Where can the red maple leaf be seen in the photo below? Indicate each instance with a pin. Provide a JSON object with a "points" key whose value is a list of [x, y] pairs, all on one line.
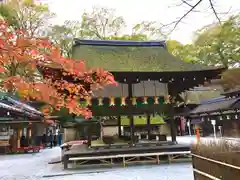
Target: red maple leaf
{"points": [[24, 55]]}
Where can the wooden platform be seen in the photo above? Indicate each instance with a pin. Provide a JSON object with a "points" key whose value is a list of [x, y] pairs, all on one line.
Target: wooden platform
{"points": [[141, 152]]}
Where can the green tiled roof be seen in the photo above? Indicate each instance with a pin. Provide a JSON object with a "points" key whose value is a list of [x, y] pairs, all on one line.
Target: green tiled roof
{"points": [[117, 58]]}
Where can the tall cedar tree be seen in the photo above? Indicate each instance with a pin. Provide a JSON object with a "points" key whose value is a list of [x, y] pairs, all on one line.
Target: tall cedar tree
{"points": [[22, 58]]}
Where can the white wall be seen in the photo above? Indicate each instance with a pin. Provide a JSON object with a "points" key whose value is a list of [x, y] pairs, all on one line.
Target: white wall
{"points": [[110, 131], [69, 134]]}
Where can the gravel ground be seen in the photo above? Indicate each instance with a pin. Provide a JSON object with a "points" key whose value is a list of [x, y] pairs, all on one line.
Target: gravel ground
{"points": [[36, 167]]}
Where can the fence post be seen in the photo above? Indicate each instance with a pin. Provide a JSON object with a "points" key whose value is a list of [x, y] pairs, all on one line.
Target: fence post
{"points": [[198, 135]]}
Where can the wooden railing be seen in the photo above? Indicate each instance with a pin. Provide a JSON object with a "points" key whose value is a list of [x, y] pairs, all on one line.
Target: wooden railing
{"points": [[212, 169]]}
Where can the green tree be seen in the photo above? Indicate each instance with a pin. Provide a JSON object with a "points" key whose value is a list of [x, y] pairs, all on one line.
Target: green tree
{"points": [[27, 15], [220, 44], [7, 13], [188, 52], [146, 30], [63, 35], [149, 29], [101, 23]]}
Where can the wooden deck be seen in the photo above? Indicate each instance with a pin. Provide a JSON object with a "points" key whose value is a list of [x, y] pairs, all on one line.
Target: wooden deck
{"points": [[123, 154]]}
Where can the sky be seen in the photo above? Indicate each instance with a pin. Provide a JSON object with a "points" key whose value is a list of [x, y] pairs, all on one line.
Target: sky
{"points": [[135, 11]]}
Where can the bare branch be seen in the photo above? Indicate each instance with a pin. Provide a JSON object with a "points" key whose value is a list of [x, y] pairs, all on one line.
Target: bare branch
{"points": [[185, 15], [214, 11], [185, 2]]}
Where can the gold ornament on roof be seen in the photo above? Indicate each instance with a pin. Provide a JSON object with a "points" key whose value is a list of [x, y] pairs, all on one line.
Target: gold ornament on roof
{"points": [[112, 101], [134, 101], [167, 99], [145, 100], [100, 101], [156, 100], [123, 101], [88, 101]]}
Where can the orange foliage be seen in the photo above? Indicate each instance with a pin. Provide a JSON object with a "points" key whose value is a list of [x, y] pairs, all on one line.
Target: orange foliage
{"points": [[20, 58]]}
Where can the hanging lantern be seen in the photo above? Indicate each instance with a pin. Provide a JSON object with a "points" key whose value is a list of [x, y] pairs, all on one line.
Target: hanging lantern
{"points": [[100, 101], [167, 99], [88, 101], [156, 100], [123, 101], [134, 101], [112, 101], [145, 100]]}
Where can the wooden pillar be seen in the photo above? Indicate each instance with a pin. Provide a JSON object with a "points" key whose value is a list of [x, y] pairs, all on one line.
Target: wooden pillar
{"points": [[173, 93], [29, 130], [131, 118], [131, 129], [119, 126], [19, 136], [29, 133], [89, 136], [65, 161], [180, 125], [172, 124], [148, 125]]}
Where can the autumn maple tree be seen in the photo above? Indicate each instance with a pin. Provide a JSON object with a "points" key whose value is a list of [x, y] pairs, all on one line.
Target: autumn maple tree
{"points": [[34, 69]]}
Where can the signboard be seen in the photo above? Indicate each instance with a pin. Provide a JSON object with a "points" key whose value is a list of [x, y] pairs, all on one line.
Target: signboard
{"points": [[213, 122]]}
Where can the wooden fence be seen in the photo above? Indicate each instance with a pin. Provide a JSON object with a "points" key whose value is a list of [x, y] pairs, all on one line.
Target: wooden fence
{"points": [[216, 161]]}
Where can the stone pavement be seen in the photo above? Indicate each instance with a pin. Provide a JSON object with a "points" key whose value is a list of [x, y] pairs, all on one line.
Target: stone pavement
{"points": [[35, 167], [28, 166]]}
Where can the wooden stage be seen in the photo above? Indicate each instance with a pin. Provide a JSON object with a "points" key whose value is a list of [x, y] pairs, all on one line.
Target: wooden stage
{"points": [[125, 154]]}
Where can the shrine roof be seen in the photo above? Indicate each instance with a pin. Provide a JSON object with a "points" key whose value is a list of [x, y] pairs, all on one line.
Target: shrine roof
{"points": [[232, 92], [217, 106], [11, 104], [130, 56]]}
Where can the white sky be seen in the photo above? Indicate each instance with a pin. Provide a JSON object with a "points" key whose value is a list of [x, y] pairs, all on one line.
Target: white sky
{"points": [[135, 11]]}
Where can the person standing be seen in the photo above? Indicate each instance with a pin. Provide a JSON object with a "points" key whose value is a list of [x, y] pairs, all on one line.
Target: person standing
{"points": [[51, 138], [44, 140], [59, 135]]}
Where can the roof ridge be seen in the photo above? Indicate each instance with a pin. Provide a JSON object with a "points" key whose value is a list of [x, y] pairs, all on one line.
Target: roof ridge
{"points": [[222, 100], [152, 43]]}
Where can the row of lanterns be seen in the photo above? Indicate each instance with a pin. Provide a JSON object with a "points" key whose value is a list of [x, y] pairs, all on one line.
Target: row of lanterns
{"points": [[170, 80], [123, 101]]}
